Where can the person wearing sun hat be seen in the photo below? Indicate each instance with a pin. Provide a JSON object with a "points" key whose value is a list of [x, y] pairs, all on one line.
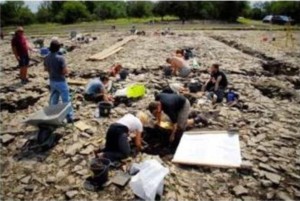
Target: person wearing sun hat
{"points": [[20, 47]]}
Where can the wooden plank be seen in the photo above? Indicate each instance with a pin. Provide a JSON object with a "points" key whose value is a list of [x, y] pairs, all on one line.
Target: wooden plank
{"points": [[76, 82], [104, 56], [112, 49]]}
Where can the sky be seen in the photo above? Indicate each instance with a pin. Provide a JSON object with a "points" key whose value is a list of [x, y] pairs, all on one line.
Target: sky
{"points": [[33, 5]]}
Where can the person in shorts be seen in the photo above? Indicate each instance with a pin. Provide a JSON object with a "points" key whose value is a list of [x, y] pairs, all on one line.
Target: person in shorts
{"points": [[177, 108], [179, 66], [21, 49], [216, 84]]}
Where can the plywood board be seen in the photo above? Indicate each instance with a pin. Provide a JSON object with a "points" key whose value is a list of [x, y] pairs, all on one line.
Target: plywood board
{"points": [[112, 49], [104, 56], [212, 148], [76, 82]]}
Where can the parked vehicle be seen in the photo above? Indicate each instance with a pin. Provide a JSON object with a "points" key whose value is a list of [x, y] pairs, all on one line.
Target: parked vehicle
{"points": [[278, 19]]}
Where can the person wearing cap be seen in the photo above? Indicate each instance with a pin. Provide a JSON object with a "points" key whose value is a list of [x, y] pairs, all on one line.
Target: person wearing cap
{"points": [[56, 66], [216, 84], [117, 145], [96, 90], [20, 47]]}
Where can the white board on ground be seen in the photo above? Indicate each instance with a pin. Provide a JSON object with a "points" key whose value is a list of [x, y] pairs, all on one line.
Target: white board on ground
{"points": [[212, 148]]}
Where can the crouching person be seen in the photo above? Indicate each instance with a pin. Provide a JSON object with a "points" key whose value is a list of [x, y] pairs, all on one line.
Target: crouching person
{"points": [[95, 90], [117, 145], [216, 84], [177, 108]]}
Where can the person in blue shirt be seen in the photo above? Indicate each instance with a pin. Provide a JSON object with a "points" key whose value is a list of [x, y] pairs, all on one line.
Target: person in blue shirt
{"points": [[95, 90], [56, 66]]}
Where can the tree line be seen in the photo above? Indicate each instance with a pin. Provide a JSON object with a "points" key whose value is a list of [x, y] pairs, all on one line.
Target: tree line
{"points": [[67, 12]]}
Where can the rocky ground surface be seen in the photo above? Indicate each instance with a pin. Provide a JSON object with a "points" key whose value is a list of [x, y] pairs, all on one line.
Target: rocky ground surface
{"points": [[265, 74]]}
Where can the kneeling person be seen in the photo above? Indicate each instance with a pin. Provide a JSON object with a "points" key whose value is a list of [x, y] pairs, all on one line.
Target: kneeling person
{"points": [[216, 84], [117, 146], [179, 66], [95, 90], [176, 107]]}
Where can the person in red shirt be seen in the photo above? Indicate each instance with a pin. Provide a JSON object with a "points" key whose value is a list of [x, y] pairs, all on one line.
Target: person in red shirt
{"points": [[21, 49], [115, 69]]}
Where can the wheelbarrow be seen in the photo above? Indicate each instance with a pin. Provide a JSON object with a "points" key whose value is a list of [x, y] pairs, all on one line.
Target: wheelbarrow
{"points": [[47, 120]]}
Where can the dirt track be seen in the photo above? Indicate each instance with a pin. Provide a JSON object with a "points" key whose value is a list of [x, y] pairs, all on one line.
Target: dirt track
{"points": [[269, 129]]}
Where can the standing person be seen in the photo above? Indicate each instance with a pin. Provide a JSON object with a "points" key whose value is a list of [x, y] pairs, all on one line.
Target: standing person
{"points": [[56, 66], [95, 90], [117, 145], [21, 49], [177, 108], [216, 84], [179, 66]]}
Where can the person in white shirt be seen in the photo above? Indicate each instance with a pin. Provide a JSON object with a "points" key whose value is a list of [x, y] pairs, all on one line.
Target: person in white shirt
{"points": [[117, 145]]}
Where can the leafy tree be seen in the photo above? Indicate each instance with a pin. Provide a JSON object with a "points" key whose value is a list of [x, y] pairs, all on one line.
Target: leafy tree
{"points": [[230, 10], [90, 5], [73, 12], [15, 13], [56, 7], [162, 8], [25, 16], [183, 10], [110, 10], [289, 8], [208, 10], [257, 14], [44, 14], [139, 8]]}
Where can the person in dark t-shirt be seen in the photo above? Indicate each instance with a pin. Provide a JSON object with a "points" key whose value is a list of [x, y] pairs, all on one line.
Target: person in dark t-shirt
{"points": [[216, 84], [56, 66], [177, 108]]}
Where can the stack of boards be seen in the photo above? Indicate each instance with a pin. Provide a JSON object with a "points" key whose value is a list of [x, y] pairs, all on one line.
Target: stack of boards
{"points": [[112, 49]]}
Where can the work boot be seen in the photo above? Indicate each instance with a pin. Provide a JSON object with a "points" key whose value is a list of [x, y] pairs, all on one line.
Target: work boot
{"points": [[25, 81], [201, 119]]}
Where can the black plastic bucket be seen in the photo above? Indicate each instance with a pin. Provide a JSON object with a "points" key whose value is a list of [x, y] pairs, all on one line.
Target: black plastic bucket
{"points": [[123, 74], [194, 87], [100, 168], [167, 71], [104, 109]]}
